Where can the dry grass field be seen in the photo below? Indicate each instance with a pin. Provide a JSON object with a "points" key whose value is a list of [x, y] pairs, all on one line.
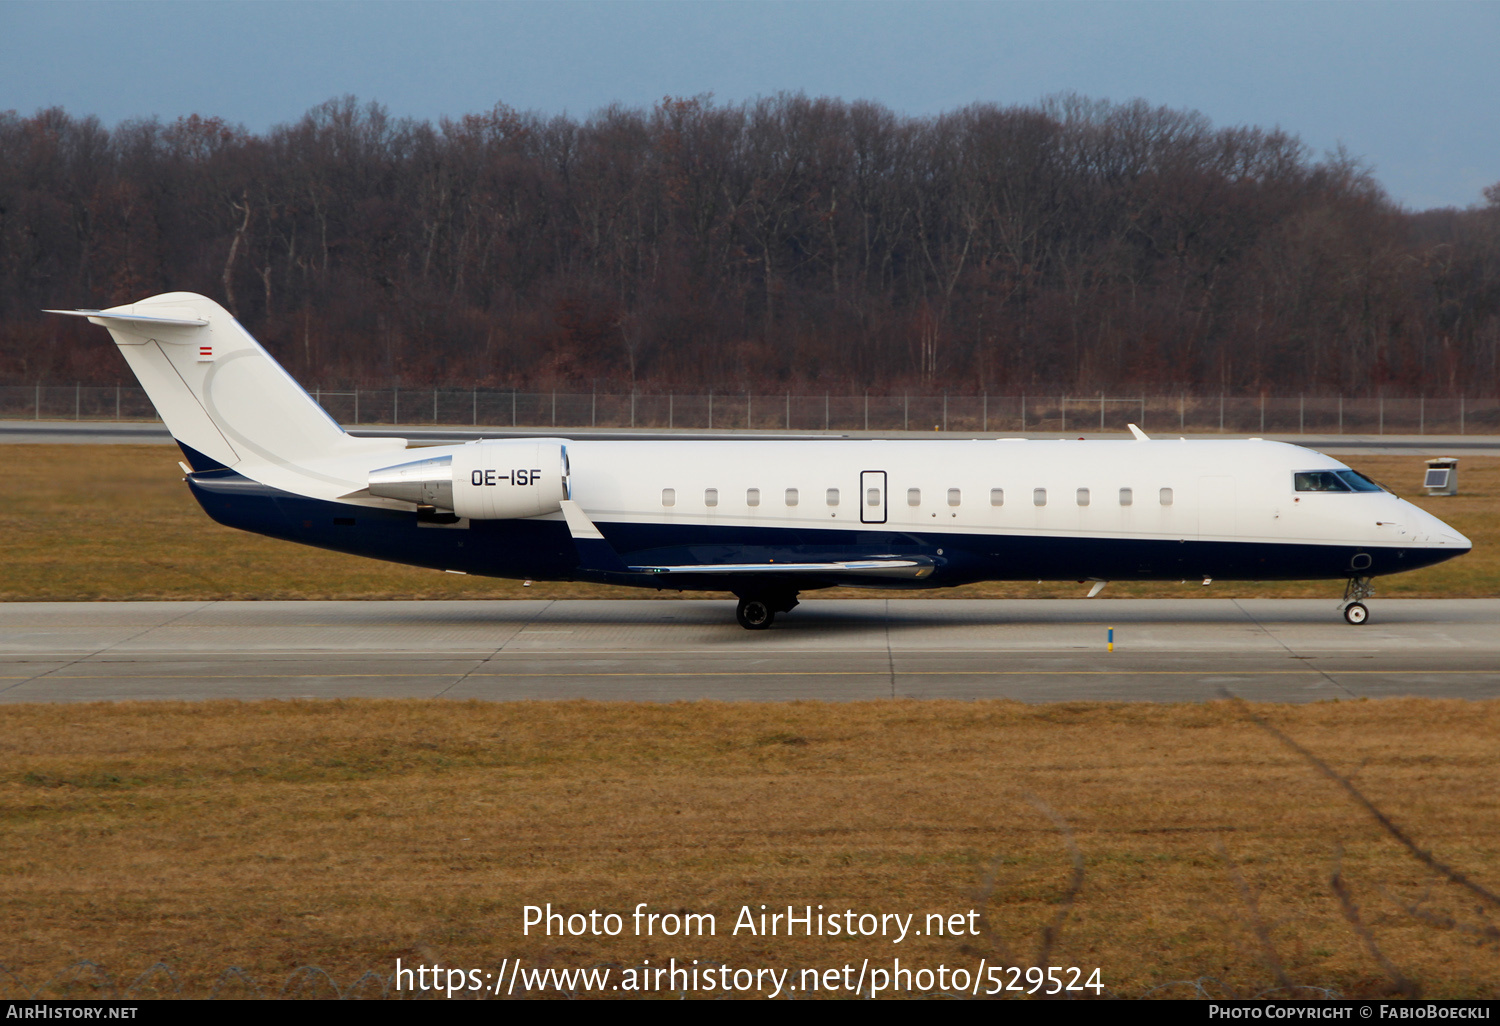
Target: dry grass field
{"points": [[116, 522], [347, 834]]}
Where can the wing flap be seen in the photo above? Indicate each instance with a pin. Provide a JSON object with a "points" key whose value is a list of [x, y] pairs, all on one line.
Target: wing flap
{"points": [[596, 553], [915, 567]]}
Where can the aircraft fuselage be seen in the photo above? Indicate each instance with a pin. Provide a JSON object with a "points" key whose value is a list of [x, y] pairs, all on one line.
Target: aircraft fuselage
{"points": [[979, 510]]}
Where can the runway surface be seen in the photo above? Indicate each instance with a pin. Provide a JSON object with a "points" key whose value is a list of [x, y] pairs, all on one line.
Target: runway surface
{"points": [[672, 650]]}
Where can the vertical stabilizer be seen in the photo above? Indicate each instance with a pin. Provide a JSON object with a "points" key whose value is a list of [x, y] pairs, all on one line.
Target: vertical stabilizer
{"points": [[220, 394]]}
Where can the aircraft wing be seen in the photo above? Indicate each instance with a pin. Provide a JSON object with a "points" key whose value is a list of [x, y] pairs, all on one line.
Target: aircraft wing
{"points": [[598, 554], [880, 566]]}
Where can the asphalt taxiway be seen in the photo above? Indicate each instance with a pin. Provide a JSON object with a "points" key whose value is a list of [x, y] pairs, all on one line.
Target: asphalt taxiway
{"points": [[675, 650]]}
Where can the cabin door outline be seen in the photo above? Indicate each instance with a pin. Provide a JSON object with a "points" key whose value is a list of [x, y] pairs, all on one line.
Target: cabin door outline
{"points": [[1218, 507], [872, 480]]}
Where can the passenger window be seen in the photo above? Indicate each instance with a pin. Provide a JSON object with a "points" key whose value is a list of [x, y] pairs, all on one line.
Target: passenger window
{"points": [[997, 496], [1127, 497], [669, 496], [833, 496], [1166, 496], [914, 496], [710, 496], [1039, 496], [872, 497], [791, 496], [955, 496], [1083, 496], [752, 496]]}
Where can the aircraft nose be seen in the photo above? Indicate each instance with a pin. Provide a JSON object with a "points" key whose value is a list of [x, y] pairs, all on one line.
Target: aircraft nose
{"points": [[1441, 535]]}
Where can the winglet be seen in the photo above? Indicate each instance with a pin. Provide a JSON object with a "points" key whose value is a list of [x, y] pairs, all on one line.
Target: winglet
{"points": [[594, 550], [1140, 436], [579, 524]]}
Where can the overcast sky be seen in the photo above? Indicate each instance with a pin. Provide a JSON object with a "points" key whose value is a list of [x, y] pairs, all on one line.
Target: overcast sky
{"points": [[1413, 88]]}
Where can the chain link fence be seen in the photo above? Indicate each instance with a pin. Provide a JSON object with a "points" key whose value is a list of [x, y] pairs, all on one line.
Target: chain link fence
{"points": [[1320, 415]]}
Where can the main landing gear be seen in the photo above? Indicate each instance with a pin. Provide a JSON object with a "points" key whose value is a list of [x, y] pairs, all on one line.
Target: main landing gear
{"points": [[756, 612], [1355, 592]]}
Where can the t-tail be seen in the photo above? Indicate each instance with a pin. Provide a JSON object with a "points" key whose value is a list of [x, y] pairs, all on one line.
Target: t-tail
{"points": [[228, 403]]}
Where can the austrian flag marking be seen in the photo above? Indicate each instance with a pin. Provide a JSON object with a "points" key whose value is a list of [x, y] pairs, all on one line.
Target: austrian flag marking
{"points": [[205, 353]]}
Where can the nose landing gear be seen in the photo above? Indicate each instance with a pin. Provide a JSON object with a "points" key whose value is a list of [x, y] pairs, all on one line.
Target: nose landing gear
{"points": [[1355, 592]]}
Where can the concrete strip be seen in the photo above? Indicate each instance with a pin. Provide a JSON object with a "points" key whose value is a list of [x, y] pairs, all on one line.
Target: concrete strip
{"points": [[835, 650]]}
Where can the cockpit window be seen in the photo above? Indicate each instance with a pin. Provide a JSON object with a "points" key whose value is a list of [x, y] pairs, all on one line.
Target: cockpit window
{"points": [[1334, 481], [1320, 481], [1354, 479]]}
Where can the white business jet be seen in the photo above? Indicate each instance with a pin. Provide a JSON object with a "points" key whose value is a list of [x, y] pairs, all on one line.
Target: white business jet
{"points": [[765, 520]]}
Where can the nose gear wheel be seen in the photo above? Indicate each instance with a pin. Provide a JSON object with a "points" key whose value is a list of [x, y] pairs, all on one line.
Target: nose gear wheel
{"points": [[1355, 592]]}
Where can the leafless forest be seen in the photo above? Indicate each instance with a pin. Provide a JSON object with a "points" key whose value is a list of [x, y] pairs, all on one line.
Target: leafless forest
{"points": [[791, 242]]}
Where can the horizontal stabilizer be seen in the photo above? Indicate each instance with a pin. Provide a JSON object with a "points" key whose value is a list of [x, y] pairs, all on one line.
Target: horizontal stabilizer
{"points": [[100, 316]]}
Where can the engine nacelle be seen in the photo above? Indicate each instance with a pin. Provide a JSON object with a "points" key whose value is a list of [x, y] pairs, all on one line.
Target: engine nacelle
{"points": [[510, 479], [501, 480]]}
